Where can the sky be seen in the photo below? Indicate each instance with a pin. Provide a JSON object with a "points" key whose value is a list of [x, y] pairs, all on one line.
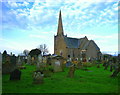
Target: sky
{"points": [[28, 24]]}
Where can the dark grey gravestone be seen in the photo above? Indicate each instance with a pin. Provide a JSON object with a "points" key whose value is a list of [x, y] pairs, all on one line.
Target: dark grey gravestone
{"points": [[15, 75]]}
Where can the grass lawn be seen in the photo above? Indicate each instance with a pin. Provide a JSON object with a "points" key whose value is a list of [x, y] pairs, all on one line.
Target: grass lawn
{"points": [[96, 80]]}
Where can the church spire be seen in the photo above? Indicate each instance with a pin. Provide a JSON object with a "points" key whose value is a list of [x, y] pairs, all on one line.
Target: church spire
{"points": [[60, 26]]}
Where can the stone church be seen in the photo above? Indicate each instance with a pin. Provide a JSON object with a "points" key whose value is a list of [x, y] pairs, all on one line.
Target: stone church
{"points": [[74, 47]]}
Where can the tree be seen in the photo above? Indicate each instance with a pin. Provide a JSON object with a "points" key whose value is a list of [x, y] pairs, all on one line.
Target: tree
{"points": [[34, 52], [43, 48], [26, 52]]}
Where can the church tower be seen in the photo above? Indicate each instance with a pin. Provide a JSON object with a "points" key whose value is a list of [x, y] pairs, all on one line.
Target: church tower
{"points": [[59, 43], [73, 47]]}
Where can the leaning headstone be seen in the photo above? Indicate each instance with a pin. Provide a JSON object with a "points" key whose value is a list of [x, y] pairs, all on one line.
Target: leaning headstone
{"points": [[15, 75], [71, 71], [117, 70], [111, 67], [38, 77]]}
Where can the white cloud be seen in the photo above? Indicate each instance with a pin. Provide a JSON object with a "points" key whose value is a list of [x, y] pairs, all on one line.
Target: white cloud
{"points": [[77, 15], [36, 36], [16, 4]]}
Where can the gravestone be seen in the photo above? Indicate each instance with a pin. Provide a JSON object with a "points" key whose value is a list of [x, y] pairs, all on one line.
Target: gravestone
{"points": [[15, 75], [111, 66], [57, 66], [38, 77], [19, 62], [32, 60], [79, 65], [71, 71], [29, 59], [40, 58], [68, 62], [106, 65], [8, 67], [40, 65], [117, 70], [44, 60], [13, 60]]}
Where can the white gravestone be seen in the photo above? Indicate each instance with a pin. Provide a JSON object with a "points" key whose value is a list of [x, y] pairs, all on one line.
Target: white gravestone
{"points": [[19, 61], [39, 62], [29, 59], [57, 66]]}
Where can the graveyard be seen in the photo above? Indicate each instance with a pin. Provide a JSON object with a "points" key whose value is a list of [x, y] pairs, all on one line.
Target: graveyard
{"points": [[95, 80], [81, 57], [55, 74]]}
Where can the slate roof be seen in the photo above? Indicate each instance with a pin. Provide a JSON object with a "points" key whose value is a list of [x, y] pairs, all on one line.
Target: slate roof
{"points": [[75, 43], [72, 42], [87, 44], [95, 45]]}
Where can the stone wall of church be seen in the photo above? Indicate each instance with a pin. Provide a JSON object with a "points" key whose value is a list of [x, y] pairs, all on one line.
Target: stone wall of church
{"points": [[60, 46], [73, 52], [91, 51], [85, 40]]}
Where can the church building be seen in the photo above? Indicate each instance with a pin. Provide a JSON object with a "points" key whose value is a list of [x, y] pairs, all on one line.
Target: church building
{"points": [[74, 47]]}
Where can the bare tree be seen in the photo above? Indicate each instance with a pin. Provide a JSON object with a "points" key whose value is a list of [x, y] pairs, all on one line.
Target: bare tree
{"points": [[26, 52], [43, 48]]}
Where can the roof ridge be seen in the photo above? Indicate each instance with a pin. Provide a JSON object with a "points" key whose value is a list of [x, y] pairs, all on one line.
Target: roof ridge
{"points": [[75, 38]]}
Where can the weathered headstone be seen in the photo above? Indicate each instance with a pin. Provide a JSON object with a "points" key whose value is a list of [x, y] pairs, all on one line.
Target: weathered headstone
{"points": [[68, 62], [71, 71], [38, 77], [29, 59], [15, 75], [40, 64], [8, 67], [19, 62], [106, 66], [32, 60], [13, 60], [117, 70], [57, 66], [111, 66]]}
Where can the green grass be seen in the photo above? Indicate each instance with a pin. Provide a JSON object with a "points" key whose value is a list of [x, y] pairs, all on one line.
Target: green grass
{"points": [[96, 81]]}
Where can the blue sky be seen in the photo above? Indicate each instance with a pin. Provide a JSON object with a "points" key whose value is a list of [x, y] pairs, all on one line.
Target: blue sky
{"points": [[26, 25]]}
